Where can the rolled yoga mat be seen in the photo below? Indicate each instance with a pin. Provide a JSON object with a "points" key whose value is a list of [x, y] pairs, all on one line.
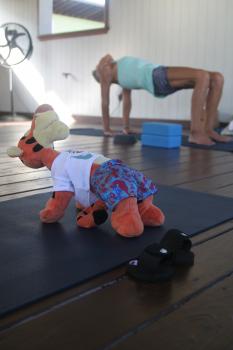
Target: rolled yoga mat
{"points": [[125, 139]]}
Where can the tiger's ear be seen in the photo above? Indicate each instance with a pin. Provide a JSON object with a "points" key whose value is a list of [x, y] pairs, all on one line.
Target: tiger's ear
{"points": [[48, 128]]}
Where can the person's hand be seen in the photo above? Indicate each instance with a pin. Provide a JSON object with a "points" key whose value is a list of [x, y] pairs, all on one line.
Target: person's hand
{"points": [[109, 132], [128, 131]]}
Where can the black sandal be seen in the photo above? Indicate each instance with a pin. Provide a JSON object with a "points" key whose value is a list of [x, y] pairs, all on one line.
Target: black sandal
{"points": [[179, 244], [152, 267]]}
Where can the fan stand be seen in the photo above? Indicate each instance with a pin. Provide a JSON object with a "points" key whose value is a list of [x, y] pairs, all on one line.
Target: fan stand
{"points": [[13, 114]]}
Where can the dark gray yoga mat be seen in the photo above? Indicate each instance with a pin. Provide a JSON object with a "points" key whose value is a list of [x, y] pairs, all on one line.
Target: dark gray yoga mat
{"points": [[87, 132], [219, 146], [38, 260]]}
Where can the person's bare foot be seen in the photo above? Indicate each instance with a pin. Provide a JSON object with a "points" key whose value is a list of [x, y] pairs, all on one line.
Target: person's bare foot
{"points": [[219, 138], [201, 139]]}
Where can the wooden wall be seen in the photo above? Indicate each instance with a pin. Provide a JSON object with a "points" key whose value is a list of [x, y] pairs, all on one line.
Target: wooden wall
{"points": [[194, 33]]}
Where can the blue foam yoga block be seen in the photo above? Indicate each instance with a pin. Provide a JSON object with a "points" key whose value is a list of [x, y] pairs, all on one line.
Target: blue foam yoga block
{"points": [[165, 129], [161, 141]]}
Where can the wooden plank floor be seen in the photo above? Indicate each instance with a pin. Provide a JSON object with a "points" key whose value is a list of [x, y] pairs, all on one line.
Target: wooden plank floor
{"points": [[193, 311]]}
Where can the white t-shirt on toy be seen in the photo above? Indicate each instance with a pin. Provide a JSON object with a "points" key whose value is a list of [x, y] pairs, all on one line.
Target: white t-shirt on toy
{"points": [[71, 172]]}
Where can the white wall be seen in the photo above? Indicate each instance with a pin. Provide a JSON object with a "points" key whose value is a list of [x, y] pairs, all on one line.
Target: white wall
{"points": [[194, 33]]}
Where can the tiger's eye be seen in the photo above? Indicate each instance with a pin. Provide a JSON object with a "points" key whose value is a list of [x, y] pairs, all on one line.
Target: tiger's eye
{"points": [[37, 148], [31, 140]]}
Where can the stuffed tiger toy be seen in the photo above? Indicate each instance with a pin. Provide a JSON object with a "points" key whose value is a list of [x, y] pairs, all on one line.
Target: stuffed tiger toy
{"points": [[100, 185]]}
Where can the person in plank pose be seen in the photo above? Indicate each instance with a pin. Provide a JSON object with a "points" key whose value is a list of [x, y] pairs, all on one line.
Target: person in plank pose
{"points": [[136, 73]]}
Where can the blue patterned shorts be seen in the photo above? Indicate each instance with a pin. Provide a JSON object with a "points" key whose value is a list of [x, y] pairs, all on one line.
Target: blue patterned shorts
{"points": [[161, 83], [114, 181]]}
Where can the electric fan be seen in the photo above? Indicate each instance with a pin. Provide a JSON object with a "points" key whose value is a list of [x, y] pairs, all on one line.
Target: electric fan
{"points": [[15, 47]]}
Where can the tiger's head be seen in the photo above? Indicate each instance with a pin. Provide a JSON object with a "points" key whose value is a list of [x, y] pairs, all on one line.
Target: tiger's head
{"points": [[45, 129]]}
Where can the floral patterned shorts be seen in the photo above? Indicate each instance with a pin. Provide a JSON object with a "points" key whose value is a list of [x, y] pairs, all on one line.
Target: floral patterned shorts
{"points": [[114, 181]]}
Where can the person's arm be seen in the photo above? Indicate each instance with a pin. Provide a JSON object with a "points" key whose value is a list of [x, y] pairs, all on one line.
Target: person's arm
{"points": [[105, 72], [126, 110], [105, 92]]}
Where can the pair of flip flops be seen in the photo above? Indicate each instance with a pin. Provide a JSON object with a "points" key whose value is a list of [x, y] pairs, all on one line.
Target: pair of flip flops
{"points": [[158, 261]]}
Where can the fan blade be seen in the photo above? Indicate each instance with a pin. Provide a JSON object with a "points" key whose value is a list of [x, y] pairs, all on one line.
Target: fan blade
{"points": [[6, 35], [20, 49], [14, 36], [4, 60]]}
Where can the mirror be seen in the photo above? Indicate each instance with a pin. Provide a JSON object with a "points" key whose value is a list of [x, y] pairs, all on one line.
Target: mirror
{"points": [[67, 18]]}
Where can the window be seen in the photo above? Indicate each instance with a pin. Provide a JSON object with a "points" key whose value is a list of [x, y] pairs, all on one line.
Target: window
{"points": [[66, 18]]}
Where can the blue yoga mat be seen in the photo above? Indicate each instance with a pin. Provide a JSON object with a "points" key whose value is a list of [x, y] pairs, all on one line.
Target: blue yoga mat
{"points": [[219, 146], [38, 260]]}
